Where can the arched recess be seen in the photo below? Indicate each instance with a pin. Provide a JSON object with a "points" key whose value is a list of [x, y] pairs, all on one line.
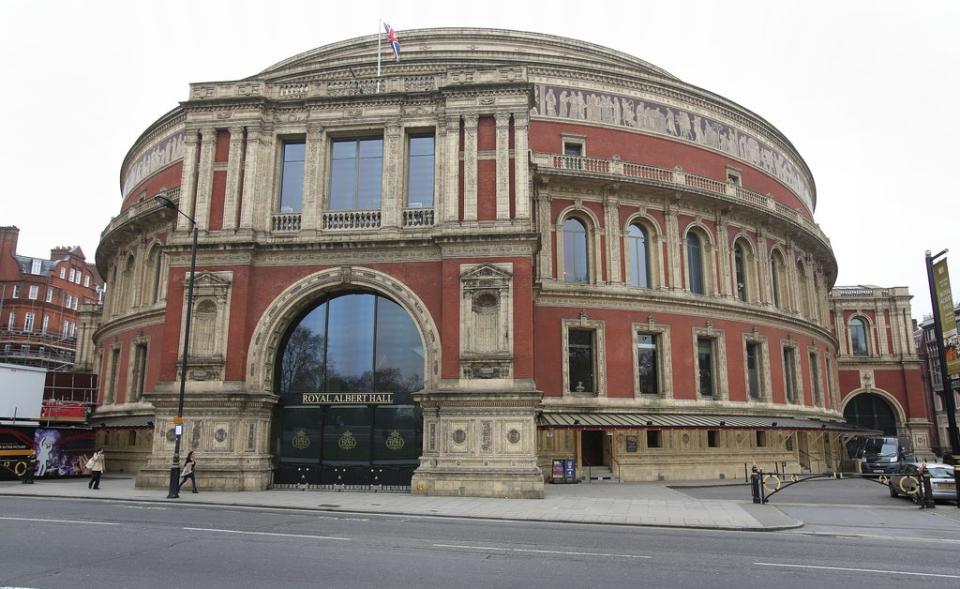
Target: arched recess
{"points": [[746, 286], [707, 249], [874, 409], [592, 225], [287, 307], [654, 244], [779, 283], [153, 282], [860, 345], [803, 289]]}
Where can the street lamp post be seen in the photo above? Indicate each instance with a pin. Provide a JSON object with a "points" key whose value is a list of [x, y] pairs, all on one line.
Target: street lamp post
{"points": [[948, 400], [174, 491]]}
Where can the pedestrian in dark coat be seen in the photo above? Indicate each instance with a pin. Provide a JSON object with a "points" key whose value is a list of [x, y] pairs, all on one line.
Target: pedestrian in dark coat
{"points": [[188, 472]]}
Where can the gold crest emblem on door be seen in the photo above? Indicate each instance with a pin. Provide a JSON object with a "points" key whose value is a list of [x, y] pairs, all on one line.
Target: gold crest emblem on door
{"points": [[347, 441], [395, 440]]}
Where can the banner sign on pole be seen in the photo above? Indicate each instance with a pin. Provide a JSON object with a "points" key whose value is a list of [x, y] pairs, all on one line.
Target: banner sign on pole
{"points": [[948, 320]]}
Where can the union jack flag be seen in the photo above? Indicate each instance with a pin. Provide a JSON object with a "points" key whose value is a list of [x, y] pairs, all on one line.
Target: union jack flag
{"points": [[393, 40]]}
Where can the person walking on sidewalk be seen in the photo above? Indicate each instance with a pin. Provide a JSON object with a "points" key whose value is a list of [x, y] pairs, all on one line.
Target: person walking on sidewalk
{"points": [[188, 472], [96, 465]]}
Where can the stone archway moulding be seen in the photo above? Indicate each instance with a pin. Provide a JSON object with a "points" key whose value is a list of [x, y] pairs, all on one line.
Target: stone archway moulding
{"points": [[280, 314], [890, 399]]}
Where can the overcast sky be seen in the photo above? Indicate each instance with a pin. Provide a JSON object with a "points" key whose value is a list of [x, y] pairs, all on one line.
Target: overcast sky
{"points": [[862, 89]]}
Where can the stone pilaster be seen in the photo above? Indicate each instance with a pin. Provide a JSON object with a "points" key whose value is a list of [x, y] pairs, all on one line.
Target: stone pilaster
{"points": [[450, 196], [724, 259], [234, 163], [521, 163], [188, 180], [763, 268], [881, 329], [611, 213], [545, 267], [503, 165], [311, 178], [391, 196], [470, 167], [675, 276], [208, 143], [265, 188], [250, 174]]}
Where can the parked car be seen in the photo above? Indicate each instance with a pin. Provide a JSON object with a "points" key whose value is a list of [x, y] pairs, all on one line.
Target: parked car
{"points": [[908, 477]]}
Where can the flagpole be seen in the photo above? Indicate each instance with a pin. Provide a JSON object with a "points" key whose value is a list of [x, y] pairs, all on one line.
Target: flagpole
{"points": [[379, 44]]}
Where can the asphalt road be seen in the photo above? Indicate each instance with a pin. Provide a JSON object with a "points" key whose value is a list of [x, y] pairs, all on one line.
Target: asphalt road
{"points": [[52, 543]]}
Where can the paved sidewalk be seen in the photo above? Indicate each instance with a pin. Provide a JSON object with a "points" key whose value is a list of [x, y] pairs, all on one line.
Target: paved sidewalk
{"points": [[639, 504]]}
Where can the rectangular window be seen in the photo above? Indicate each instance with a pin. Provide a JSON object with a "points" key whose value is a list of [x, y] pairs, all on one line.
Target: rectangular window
{"points": [[713, 438], [66, 329], [581, 360], [420, 167], [63, 272], [86, 284], [11, 321], [24, 349], [653, 438], [761, 439], [16, 291], [647, 364], [356, 168], [46, 323], [49, 295], [110, 395], [73, 274], [132, 438], [705, 366], [572, 149], [815, 380], [753, 369], [35, 267], [291, 177], [28, 322], [34, 292], [790, 374]]}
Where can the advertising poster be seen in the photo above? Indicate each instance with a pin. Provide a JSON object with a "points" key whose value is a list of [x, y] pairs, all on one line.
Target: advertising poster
{"points": [[941, 277], [62, 452], [16, 448]]}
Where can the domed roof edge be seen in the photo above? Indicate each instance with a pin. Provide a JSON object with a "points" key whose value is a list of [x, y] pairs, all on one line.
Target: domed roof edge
{"points": [[466, 35]]}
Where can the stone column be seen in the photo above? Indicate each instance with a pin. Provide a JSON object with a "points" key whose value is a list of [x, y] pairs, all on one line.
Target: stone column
{"points": [[724, 259], [265, 188], [793, 281], [503, 165], [763, 268], [234, 161], [881, 329], [450, 195], [208, 143], [309, 217], [250, 159], [521, 208], [672, 235], [391, 195], [546, 235], [188, 180], [470, 167], [611, 213]]}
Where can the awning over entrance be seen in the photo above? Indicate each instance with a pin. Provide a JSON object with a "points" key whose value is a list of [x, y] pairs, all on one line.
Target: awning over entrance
{"points": [[692, 421], [122, 421]]}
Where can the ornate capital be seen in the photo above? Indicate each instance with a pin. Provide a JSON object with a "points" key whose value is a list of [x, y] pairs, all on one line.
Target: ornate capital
{"points": [[503, 119]]}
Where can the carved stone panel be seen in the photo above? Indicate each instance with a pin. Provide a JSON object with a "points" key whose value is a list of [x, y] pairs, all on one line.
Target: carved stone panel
{"points": [[486, 319]]}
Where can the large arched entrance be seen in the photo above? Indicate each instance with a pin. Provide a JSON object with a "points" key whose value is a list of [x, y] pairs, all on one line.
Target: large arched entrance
{"points": [[346, 370], [871, 411]]}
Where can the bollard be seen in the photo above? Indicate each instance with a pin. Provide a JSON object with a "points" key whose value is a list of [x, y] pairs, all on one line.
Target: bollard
{"points": [[755, 485], [28, 475]]}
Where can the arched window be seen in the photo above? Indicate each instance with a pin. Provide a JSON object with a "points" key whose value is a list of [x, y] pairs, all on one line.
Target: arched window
{"points": [[740, 270], [804, 306], [858, 337], [776, 274], [695, 263], [638, 256], [154, 263], [576, 267]]}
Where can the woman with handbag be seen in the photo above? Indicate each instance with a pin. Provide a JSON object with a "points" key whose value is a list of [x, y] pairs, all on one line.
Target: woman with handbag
{"points": [[97, 465], [188, 473]]}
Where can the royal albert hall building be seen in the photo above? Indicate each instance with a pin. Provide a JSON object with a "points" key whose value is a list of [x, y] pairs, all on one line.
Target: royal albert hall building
{"points": [[509, 248]]}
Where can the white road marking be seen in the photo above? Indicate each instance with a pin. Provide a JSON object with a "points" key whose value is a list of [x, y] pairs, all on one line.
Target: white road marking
{"points": [[57, 521], [826, 568], [534, 551], [306, 536]]}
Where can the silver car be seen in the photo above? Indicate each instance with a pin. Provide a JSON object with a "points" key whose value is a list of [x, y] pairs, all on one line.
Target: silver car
{"points": [[907, 478]]}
